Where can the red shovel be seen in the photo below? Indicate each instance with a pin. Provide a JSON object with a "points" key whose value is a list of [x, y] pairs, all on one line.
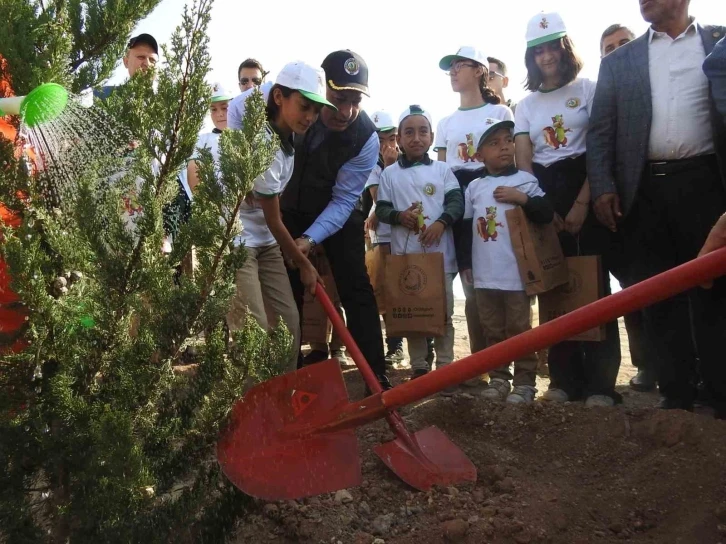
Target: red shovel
{"points": [[292, 436]]}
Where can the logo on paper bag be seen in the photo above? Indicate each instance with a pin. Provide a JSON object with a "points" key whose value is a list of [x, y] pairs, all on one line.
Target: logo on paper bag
{"points": [[574, 284], [412, 280]]}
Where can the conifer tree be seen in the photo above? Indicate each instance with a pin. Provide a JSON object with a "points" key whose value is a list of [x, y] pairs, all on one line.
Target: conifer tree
{"points": [[104, 435]]}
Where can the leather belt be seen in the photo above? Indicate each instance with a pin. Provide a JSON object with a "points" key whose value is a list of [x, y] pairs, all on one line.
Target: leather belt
{"points": [[667, 168]]}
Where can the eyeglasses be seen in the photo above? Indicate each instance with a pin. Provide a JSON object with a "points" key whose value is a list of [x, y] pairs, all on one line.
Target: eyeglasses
{"points": [[494, 75], [457, 66], [245, 80]]}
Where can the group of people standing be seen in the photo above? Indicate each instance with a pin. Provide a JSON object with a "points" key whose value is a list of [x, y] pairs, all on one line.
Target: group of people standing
{"points": [[631, 168]]}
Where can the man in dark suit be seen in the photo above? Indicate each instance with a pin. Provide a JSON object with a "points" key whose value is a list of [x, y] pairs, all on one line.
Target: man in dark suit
{"points": [[715, 69], [655, 174]]}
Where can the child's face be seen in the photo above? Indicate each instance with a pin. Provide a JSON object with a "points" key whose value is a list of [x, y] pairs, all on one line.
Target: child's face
{"points": [[218, 111], [497, 151], [388, 139], [415, 136], [297, 112]]}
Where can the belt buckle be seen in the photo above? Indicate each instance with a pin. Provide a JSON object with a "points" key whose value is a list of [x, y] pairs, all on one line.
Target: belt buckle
{"points": [[658, 163]]}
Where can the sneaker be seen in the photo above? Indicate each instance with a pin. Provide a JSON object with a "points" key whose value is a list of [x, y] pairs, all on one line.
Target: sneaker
{"points": [[555, 395], [430, 358], [522, 394], [342, 358], [498, 389], [315, 356], [599, 400], [393, 357], [449, 391]]}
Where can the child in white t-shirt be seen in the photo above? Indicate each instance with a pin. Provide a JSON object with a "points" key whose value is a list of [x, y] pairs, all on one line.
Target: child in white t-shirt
{"points": [[293, 103], [491, 266], [416, 189]]}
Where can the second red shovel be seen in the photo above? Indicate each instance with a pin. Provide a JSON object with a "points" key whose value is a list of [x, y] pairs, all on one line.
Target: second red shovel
{"points": [[421, 459]]}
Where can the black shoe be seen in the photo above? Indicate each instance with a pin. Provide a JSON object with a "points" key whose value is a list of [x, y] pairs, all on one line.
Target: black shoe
{"points": [[669, 403], [315, 356], [383, 380], [430, 358], [644, 381], [418, 373]]}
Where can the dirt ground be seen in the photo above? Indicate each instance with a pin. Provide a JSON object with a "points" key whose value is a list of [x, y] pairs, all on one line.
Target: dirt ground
{"points": [[546, 474]]}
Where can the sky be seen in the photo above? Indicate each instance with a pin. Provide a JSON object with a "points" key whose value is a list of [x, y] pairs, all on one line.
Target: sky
{"points": [[401, 44]]}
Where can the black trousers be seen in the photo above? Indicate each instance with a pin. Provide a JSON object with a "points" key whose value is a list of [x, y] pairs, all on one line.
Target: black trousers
{"points": [[667, 226], [345, 251], [581, 369], [642, 354]]}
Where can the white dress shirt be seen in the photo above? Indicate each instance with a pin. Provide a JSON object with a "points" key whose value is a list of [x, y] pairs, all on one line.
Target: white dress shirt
{"points": [[681, 122]]}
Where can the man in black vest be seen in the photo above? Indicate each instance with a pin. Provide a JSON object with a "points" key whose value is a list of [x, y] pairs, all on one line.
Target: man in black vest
{"points": [[332, 162]]}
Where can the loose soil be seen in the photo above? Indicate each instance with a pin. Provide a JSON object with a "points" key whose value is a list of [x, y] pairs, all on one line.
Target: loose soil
{"points": [[546, 474]]}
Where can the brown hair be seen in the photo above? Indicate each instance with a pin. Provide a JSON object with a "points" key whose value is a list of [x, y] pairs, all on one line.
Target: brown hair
{"points": [[570, 65], [273, 110], [489, 96], [251, 63], [502, 66]]}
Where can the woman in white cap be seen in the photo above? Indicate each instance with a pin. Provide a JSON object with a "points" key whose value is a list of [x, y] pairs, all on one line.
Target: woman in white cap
{"points": [[293, 105], [550, 131], [455, 143]]}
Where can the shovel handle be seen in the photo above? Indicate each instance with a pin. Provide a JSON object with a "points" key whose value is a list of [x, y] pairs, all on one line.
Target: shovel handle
{"points": [[660, 287], [347, 338]]}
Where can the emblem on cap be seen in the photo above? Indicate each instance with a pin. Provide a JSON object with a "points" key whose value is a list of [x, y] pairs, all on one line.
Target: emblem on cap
{"points": [[572, 103], [490, 121], [375, 118], [351, 66], [429, 189], [543, 23], [215, 88]]}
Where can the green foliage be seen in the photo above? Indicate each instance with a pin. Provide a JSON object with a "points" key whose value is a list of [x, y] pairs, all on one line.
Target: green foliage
{"points": [[76, 43], [105, 434]]}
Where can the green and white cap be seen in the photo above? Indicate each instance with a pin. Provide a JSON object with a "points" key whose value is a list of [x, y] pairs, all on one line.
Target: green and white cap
{"points": [[545, 27], [219, 93], [383, 121], [465, 52], [415, 109], [308, 80], [492, 125]]}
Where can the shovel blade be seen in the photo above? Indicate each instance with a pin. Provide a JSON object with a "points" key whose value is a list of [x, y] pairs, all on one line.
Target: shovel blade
{"points": [[433, 460], [264, 461]]}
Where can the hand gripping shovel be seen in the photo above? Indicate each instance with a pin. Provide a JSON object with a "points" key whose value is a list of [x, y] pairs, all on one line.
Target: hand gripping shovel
{"points": [[292, 436]]}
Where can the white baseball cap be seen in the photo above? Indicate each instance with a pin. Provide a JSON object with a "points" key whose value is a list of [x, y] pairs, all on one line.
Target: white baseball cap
{"points": [[464, 52], [545, 27], [219, 93], [383, 121], [308, 80], [415, 109]]}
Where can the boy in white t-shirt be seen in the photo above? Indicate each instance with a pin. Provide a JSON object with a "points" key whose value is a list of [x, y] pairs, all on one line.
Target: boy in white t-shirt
{"points": [[503, 306], [416, 189]]}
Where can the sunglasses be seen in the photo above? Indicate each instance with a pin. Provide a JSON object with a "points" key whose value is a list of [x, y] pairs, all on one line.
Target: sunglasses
{"points": [[256, 80], [494, 75]]}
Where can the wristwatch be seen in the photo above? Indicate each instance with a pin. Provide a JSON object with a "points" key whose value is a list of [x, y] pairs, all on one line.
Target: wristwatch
{"points": [[310, 240]]}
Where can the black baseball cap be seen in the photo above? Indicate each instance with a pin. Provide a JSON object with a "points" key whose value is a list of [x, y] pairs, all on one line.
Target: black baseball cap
{"points": [[346, 71], [146, 39]]}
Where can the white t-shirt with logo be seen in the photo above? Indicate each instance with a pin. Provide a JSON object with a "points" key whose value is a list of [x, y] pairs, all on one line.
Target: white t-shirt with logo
{"points": [[494, 265], [382, 235], [557, 121], [459, 133], [255, 232], [427, 184]]}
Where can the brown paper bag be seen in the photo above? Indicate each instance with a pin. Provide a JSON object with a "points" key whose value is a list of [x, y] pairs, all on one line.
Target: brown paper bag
{"points": [[585, 285], [316, 327], [542, 265], [376, 266], [415, 295]]}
